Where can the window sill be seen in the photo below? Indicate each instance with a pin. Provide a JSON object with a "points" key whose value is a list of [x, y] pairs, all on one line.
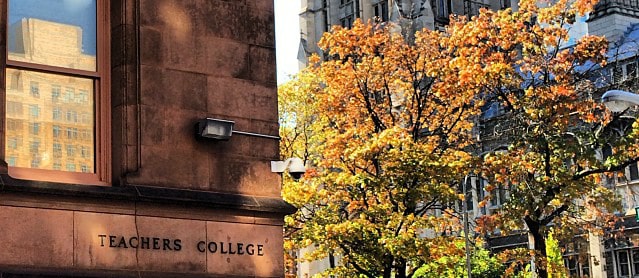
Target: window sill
{"points": [[148, 194], [56, 176]]}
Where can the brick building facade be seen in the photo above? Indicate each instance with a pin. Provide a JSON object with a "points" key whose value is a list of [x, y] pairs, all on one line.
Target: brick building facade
{"points": [[139, 194]]}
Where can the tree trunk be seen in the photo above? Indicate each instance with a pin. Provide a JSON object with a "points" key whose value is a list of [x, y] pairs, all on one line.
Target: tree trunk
{"points": [[400, 269], [388, 267], [541, 268]]}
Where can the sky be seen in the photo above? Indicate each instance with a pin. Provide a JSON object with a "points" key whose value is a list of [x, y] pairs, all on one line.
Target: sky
{"points": [[287, 31], [74, 12], [287, 37]]}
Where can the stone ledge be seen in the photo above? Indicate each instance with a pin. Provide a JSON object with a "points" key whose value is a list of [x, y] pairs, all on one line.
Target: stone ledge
{"points": [[132, 192], [20, 272]]}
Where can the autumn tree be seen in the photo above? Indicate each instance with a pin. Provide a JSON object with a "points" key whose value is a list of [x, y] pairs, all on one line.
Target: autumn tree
{"points": [[389, 136], [392, 135], [552, 160], [453, 264], [297, 113]]}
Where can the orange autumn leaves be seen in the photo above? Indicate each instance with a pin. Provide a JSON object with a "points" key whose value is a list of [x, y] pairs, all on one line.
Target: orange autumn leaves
{"points": [[392, 130]]}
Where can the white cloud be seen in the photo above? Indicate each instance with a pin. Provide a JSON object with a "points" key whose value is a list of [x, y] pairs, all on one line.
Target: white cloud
{"points": [[77, 5]]}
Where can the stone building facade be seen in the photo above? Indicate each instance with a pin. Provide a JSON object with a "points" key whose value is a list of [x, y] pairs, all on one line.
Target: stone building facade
{"points": [[102, 174], [318, 16]]}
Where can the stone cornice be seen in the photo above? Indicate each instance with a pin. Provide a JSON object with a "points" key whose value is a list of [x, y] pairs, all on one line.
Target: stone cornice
{"points": [[622, 7]]}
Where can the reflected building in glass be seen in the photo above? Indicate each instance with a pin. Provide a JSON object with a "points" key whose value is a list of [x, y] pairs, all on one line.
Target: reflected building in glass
{"points": [[50, 118]]}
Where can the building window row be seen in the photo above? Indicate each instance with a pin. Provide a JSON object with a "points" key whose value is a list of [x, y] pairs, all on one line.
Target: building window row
{"points": [[70, 95], [36, 162], [71, 150], [57, 113]]}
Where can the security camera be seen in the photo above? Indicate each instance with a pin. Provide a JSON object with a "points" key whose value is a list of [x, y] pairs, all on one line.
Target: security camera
{"points": [[295, 167], [296, 175]]}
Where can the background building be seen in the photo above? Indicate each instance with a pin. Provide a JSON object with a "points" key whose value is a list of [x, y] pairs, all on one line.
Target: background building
{"points": [[317, 16], [101, 171]]}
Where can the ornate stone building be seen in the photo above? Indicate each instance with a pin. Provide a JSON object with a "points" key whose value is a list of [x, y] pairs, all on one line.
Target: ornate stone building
{"points": [[317, 16]]}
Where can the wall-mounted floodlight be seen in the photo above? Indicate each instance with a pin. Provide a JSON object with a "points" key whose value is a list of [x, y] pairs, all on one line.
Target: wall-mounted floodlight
{"points": [[295, 167], [215, 128], [617, 100], [223, 129]]}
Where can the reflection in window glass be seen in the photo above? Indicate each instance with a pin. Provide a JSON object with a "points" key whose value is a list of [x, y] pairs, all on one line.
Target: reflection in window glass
{"points": [[34, 110], [14, 108], [34, 128], [70, 150], [34, 147], [57, 113], [41, 128], [55, 93], [59, 33], [35, 89], [57, 150], [70, 167], [35, 161]]}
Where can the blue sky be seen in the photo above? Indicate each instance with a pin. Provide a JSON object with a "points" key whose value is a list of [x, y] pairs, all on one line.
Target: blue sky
{"points": [[82, 13], [287, 37], [74, 12]]}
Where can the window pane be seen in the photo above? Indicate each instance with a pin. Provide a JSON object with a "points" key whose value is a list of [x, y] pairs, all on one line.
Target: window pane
{"points": [[624, 269], [635, 261], [54, 32], [50, 135], [634, 172]]}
